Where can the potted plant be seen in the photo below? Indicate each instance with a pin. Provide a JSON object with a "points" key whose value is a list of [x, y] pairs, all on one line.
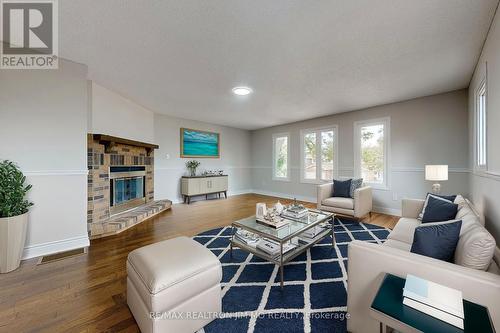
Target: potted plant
{"points": [[192, 165], [13, 215]]}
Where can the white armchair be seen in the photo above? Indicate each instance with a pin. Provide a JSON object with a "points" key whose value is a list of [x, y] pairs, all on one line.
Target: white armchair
{"points": [[358, 207]]}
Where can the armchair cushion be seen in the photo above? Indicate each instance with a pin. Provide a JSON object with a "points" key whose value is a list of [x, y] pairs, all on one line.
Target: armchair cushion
{"points": [[342, 188], [338, 202]]}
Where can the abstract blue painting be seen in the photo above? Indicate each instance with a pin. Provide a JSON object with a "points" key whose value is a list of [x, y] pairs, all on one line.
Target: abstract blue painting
{"points": [[196, 143]]}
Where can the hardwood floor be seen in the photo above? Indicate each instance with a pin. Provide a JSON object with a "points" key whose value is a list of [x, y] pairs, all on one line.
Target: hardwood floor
{"points": [[87, 293]]}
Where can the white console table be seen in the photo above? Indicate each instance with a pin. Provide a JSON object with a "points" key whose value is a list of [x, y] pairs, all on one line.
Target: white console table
{"points": [[203, 185]]}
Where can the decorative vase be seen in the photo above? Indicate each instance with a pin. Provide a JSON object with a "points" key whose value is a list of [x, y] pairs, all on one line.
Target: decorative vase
{"points": [[192, 172], [12, 240], [260, 210], [278, 207]]}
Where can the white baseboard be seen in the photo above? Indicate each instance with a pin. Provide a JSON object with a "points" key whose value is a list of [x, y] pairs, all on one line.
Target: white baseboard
{"points": [[285, 195], [43, 249], [376, 209], [238, 192], [386, 210], [229, 194]]}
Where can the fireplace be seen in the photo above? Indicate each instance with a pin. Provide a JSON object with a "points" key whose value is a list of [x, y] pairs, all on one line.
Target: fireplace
{"points": [[127, 188]]}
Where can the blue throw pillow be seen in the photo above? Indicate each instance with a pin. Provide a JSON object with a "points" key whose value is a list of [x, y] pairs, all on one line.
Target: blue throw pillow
{"points": [[437, 240], [450, 198], [446, 197], [342, 188], [438, 209], [355, 184]]}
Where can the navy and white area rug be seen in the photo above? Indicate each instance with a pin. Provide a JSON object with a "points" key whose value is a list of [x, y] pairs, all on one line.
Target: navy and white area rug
{"points": [[314, 297]]}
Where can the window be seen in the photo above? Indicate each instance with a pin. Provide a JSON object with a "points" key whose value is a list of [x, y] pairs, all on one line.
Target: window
{"points": [[371, 153], [480, 126], [281, 153], [318, 154]]}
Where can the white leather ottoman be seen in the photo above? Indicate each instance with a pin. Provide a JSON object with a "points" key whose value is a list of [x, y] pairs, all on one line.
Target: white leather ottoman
{"points": [[173, 286]]}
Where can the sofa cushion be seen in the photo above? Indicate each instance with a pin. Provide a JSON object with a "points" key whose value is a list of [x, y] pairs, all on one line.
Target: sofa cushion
{"points": [[355, 184], [438, 209], [404, 230], [342, 188], [475, 212], [397, 245], [475, 248], [437, 240], [467, 214], [339, 202]]}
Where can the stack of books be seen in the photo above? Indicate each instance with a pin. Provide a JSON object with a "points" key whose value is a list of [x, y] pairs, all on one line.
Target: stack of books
{"points": [[307, 236], [435, 300], [247, 238], [295, 212], [274, 222], [273, 248]]}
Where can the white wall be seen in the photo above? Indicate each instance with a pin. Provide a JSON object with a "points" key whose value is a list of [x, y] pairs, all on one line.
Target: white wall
{"points": [[235, 157], [485, 186], [115, 115], [43, 119], [428, 130]]}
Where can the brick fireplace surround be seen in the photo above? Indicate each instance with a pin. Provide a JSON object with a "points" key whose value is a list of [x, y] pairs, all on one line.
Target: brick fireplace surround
{"points": [[101, 156]]}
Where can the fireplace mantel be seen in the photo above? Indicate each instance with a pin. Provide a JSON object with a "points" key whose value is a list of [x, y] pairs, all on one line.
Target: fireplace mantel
{"points": [[110, 141]]}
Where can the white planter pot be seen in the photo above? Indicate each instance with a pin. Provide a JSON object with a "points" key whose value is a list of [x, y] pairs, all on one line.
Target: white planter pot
{"points": [[12, 239]]}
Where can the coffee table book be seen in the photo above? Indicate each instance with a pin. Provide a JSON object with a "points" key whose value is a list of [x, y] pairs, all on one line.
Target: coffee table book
{"points": [[273, 224], [388, 308], [435, 300]]}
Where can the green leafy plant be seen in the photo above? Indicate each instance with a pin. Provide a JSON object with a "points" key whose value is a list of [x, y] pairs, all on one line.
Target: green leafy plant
{"points": [[13, 190], [192, 166]]}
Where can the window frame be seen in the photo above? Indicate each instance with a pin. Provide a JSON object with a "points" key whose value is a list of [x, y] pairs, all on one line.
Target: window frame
{"points": [[386, 122], [275, 137], [319, 162], [482, 89]]}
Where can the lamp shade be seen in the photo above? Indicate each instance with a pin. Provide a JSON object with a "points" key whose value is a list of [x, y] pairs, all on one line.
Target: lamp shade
{"points": [[436, 172]]}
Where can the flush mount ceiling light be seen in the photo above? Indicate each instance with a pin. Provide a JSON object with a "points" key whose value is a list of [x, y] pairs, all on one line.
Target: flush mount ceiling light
{"points": [[241, 91]]}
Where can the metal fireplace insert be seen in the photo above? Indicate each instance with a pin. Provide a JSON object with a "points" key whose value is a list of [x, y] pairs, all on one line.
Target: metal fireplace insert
{"points": [[127, 188]]}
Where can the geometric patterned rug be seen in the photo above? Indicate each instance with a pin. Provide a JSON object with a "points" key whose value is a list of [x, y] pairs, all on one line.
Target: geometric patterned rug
{"points": [[314, 297]]}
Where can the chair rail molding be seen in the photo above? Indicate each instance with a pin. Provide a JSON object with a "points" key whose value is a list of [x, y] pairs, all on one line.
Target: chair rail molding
{"points": [[77, 172], [422, 169]]}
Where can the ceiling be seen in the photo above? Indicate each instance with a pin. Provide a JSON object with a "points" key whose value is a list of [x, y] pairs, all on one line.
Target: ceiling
{"points": [[303, 59]]}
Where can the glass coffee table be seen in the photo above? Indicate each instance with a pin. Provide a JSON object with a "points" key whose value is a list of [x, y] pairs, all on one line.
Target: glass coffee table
{"points": [[292, 239]]}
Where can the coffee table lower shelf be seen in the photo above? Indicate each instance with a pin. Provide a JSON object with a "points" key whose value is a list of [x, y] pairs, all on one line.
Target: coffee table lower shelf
{"points": [[282, 258]]}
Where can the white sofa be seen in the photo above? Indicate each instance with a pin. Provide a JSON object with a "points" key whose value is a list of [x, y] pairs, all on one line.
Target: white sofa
{"points": [[358, 207], [474, 271]]}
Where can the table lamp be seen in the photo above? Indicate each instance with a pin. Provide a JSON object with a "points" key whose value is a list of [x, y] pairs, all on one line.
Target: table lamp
{"points": [[436, 173]]}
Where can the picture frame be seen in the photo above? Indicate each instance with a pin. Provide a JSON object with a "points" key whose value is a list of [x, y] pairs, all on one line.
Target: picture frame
{"points": [[199, 144]]}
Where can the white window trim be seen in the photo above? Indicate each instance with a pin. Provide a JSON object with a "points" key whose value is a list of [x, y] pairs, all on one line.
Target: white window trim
{"points": [[386, 121], [478, 167], [275, 136], [318, 179]]}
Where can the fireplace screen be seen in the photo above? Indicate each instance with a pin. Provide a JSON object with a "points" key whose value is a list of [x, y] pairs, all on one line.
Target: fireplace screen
{"points": [[127, 188]]}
